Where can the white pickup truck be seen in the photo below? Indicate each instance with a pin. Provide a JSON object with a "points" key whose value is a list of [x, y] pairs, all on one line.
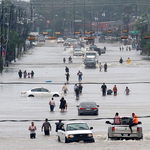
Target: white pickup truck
{"points": [[122, 131], [74, 132]]}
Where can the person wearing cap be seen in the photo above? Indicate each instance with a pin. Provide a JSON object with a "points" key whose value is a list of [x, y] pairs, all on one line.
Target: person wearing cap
{"points": [[47, 127], [134, 122]]}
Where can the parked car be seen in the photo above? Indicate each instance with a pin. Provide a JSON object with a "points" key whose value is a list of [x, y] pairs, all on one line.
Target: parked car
{"points": [[60, 40], [103, 51], [92, 47], [41, 39], [34, 43], [74, 132], [123, 131], [67, 42], [98, 50], [90, 62], [40, 91], [77, 52], [67, 47], [90, 42], [88, 108]]}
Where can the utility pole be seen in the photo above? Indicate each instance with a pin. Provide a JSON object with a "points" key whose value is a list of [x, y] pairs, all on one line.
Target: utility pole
{"points": [[91, 16], [74, 18], [52, 21], [84, 19], [1, 50], [2, 16]]}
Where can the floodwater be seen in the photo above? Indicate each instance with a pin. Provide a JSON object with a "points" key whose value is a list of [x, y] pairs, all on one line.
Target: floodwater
{"points": [[47, 64]]}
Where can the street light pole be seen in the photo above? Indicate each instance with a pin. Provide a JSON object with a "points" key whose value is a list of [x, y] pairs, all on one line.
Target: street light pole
{"points": [[2, 16], [84, 19], [74, 17]]}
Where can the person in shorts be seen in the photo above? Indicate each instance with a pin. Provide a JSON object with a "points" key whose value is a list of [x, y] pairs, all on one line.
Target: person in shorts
{"points": [[47, 127]]}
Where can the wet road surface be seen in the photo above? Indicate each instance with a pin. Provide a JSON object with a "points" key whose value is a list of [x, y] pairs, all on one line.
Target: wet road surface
{"points": [[47, 63]]}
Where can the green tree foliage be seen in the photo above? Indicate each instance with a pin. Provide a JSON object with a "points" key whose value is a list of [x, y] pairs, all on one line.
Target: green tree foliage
{"points": [[141, 26], [141, 22]]}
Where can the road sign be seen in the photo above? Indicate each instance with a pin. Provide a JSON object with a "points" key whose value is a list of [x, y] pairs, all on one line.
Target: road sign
{"points": [[45, 33], [109, 31], [146, 37], [77, 20], [52, 38], [124, 31], [49, 30], [88, 38], [57, 32], [124, 37], [78, 32], [38, 29], [134, 32]]}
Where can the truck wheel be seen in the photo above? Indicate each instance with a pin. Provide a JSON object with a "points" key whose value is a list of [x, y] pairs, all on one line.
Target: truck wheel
{"points": [[66, 140], [59, 139]]}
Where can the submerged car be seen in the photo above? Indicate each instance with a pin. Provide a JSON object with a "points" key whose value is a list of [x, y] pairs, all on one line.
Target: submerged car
{"points": [[67, 48], [103, 51], [92, 47], [122, 131], [39, 92], [60, 40], [90, 62], [77, 52], [88, 108], [41, 39], [75, 132]]}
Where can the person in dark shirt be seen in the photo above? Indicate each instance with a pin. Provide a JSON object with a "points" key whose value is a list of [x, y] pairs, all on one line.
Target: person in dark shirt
{"points": [[77, 93], [121, 60], [79, 74], [59, 125], [105, 67], [67, 69], [80, 88], [47, 127], [104, 89]]}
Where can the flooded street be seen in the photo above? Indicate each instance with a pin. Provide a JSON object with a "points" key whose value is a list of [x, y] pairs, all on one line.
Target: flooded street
{"points": [[47, 64]]}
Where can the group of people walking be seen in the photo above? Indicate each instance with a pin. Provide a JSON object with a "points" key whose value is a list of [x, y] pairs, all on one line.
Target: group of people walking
{"points": [[62, 106], [109, 92], [121, 60], [101, 66], [79, 74], [46, 126], [25, 74], [78, 90], [127, 48]]}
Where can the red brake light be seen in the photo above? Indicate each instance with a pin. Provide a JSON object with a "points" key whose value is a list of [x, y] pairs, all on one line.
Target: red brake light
{"points": [[113, 128], [94, 108], [138, 129], [82, 108]]}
